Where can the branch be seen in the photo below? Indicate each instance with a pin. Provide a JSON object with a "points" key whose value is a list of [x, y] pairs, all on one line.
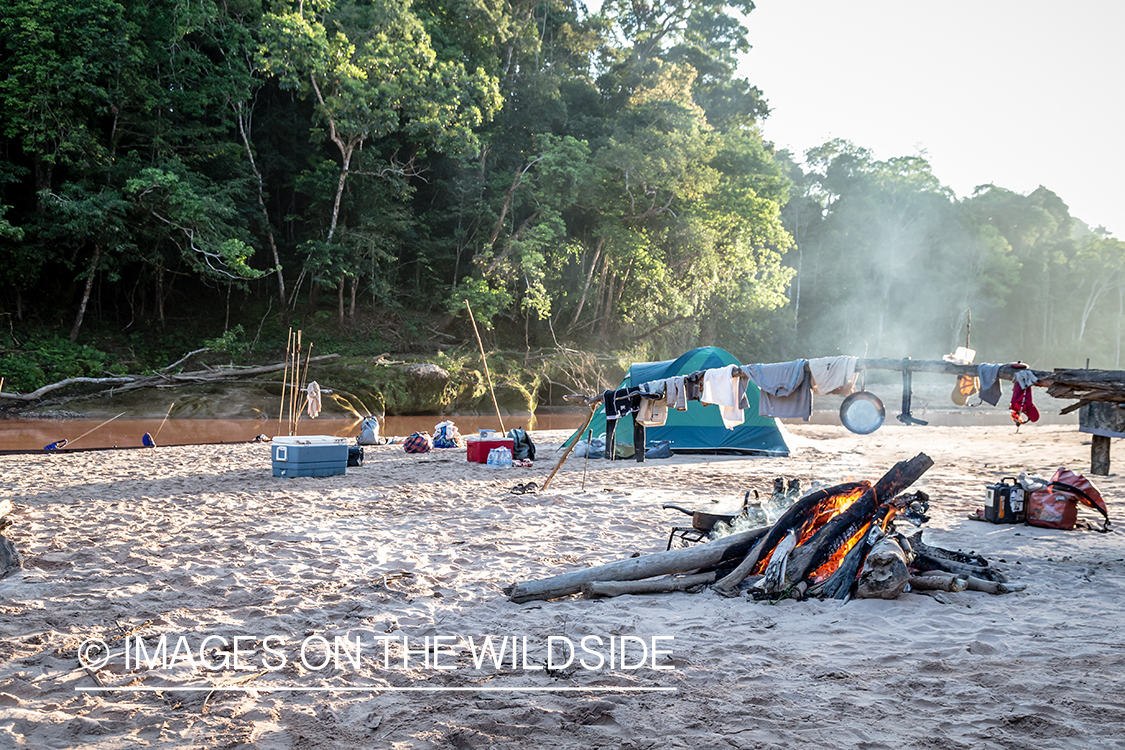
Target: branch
{"points": [[34, 395]]}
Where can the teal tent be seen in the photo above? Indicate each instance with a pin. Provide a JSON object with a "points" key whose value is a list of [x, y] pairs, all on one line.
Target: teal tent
{"points": [[699, 429]]}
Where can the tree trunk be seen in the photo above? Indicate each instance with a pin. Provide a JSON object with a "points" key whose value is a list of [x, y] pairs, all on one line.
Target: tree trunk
{"points": [[354, 288], [340, 301], [86, 293], [240, 116], [589, 278]]}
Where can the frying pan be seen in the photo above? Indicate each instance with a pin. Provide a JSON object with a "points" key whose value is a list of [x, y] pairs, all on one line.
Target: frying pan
{"points": [[862, 412], [704, 521]]}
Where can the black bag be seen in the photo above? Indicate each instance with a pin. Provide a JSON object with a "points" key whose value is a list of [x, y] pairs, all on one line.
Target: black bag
{"points": [[522, 447], [355, 455]]}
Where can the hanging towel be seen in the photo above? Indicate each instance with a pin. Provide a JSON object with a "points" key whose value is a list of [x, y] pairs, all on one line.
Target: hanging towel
{"points": [[653, 411], [830, 374], [720, 387], [313, 393], [785, 391], [990, 390]]}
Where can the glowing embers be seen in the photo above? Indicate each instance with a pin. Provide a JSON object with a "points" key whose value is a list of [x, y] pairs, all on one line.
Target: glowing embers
{"points": [[811, 515]]}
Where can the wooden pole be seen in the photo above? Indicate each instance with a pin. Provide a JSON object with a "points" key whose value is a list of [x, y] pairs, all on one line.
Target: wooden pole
{"points": [[305, 380], [284, 380], [87, 432], [484, 362], [1099, 455], [293, 381], [166, 415], [562, 460]]}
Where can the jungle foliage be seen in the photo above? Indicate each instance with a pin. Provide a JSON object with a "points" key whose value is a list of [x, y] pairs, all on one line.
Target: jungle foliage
{"points": [[597, 180]]}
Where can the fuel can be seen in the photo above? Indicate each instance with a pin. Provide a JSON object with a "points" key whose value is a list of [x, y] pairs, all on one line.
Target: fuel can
{"points": [[1005, 503]]}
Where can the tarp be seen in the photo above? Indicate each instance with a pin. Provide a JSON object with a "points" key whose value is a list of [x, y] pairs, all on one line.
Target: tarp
{"points": [[699, 429]]}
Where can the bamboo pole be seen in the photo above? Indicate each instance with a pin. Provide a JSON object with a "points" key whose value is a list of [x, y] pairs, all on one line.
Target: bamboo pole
{"points": [[87, 432], [166, 415], [562, 460], [484, 361], [293, 382], [305, 380], [284, 380]]}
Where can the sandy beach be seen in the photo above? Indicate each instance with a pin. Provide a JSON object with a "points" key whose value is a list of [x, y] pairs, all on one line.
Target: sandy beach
{"points": [[202, 546]]}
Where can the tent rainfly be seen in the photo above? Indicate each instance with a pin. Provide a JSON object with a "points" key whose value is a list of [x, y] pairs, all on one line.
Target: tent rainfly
{"points": [[699, 429]]}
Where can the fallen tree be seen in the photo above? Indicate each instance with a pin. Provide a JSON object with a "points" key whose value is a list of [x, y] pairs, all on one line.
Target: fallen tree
{"points": [[160, 380]]}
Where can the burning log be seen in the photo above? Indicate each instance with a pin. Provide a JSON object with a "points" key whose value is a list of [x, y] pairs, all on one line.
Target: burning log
{"points": [[639, 568], [826, 535], [604, 589]]}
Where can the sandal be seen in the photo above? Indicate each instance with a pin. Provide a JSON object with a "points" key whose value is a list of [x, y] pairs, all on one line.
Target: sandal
{"points": [[523, 489]]}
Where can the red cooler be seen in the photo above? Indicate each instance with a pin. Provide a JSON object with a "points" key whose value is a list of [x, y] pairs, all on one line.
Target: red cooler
{"points": [[478, 448]]}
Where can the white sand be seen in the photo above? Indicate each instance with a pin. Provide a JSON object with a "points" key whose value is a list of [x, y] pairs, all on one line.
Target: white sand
{"points": [[203, 541]]}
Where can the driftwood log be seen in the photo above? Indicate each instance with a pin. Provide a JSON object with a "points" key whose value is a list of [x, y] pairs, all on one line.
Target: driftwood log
{"points": [[885, 572], [605, 589], [938, 582], [638, 568], [9, 557], [134, 382]]}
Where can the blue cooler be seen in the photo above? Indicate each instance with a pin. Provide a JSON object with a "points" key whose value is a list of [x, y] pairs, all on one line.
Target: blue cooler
{"points": [[309, 456]]}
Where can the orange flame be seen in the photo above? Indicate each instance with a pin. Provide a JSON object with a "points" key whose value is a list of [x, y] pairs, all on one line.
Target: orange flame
{"points": [[825, 511], [828, 567]]}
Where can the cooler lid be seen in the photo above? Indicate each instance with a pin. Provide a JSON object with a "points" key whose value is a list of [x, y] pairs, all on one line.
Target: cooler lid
{"points": [[310, 440]]}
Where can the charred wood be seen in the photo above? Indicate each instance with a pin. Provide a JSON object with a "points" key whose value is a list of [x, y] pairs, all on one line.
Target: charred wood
{"points": [[902, 475], [801, 517], [925, 563], [967, 558]]}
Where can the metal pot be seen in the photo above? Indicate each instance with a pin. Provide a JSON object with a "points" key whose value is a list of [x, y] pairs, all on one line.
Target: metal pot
{"points": [[703, 521]]}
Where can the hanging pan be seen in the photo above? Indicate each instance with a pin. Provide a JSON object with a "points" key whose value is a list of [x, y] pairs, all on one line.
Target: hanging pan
{"points": [[862, 412]]}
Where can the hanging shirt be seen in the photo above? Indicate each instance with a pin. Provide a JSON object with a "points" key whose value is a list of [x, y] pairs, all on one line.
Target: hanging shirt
{"points": [[693, 385], [720, 387], [990, 390], [785, 391], [621, 402], [675, 393], [830, 374]]}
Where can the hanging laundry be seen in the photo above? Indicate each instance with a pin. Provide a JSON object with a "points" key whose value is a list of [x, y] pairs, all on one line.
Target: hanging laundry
{"points": [[313, 393], [720, 387], [1022, 405], [785, 391], [990, 391], [653, 411], [621, 402], [832, 374], [675, 393], [693, 385]]}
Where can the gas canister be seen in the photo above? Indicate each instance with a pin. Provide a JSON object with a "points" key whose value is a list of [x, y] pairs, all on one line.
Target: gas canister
{"points": [[1005, 502]]}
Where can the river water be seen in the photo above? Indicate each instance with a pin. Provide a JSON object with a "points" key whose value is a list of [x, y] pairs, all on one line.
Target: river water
{"points": [[30, 434]]}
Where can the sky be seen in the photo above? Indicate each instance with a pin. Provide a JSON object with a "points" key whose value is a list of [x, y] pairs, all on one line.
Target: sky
{"points": [[1017, 94]]}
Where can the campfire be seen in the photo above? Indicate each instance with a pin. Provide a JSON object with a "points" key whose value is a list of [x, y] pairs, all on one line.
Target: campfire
{"points": [[834, 543]]}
